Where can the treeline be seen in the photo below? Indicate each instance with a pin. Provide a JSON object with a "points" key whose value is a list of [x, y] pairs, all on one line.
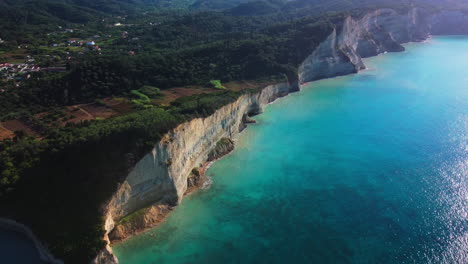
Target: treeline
{"points": [[222, 49]]}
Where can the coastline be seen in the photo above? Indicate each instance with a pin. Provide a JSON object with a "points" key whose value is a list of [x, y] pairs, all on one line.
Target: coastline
{"points": [[150, 220], [167, 210], [339, 55], [176, 181], [252, 185]]}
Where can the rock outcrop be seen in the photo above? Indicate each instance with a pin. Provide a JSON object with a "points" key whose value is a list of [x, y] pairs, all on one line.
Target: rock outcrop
{"points": [[195, 179], [139, 221], [106, 256], [383, 30], [223, 147]]}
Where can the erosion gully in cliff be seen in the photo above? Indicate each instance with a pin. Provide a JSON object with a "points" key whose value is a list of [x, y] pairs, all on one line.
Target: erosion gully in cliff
{"points": [[159, 181]]}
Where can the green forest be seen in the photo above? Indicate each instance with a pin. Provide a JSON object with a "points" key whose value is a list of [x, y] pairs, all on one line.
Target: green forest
{"points": [[62, 178]]}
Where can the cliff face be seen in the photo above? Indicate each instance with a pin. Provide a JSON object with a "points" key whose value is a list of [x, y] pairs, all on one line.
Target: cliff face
{"points": [[162, 174], [383, 30], [161, 178], [139, 221], [377, 32]]}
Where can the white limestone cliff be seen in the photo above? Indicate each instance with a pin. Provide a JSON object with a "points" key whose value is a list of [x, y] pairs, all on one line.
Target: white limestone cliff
{"points": [[161, 176], [377, 32]]}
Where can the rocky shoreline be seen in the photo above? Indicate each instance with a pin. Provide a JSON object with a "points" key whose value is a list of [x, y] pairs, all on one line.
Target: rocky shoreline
{"points": [[147, 218], [182, 156]]}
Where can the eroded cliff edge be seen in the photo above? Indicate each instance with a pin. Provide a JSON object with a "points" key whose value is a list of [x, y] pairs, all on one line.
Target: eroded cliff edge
{"points": [[383, 30], [162, 175], [160, 180]]}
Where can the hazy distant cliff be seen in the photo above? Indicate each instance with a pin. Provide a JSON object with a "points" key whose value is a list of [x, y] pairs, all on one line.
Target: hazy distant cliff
{"points": [[162, 176], [380, 31]]}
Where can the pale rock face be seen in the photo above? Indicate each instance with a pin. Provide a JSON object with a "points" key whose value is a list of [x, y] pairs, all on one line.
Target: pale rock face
{"points": [[106, 256], [331, 58], [161, 176], [149, 217], [377, 32]]}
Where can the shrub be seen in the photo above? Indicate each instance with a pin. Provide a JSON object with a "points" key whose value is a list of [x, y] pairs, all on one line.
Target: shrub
{"points": [[150, 91], [140, 96], [141, 101], [216, 84]]}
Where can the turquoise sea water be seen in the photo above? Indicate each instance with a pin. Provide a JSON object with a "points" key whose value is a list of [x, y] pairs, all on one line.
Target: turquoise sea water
{"points": [[366, 168]]}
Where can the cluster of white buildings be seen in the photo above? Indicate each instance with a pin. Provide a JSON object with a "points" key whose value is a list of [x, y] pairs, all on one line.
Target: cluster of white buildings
{"points": [[90, 44], [17, 71]]}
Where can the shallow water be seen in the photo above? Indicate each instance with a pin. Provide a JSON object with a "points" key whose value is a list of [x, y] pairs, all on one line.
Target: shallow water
{"points": [[366, 168]]}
